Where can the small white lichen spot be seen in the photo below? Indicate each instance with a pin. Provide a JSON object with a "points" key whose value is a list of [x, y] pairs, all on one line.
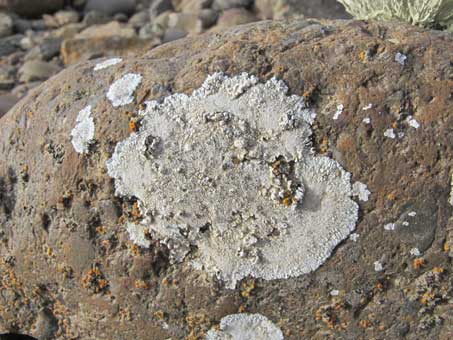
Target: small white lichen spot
{"points": [[230, 170], [415, 252], [245, 327], [122, 91], [339, 111], [107, 63], [389, 133], [368, 107], [412, 122], [334, 292], [412, 214], [354, 237], [366, 120], [83, 133], [137, 234], [378, 267], [451, 192], [405, 224], [400, 58], [389, 226], [361, 191]]}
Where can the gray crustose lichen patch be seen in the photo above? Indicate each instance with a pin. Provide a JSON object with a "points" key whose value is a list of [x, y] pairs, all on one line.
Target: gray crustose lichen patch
{"points": [[245, 327], [230, 171], [83, 133]]}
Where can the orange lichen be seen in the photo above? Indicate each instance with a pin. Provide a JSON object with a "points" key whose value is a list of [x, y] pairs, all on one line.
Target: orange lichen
{"points": [[133, 126], [362, 56], [141, 284], [365, 323], [419, 262], [94, 280], [247, 288], [438, 270], [427, 297]]}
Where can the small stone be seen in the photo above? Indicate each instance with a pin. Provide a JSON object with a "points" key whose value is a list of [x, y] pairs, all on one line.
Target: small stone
{"points": [[120, 17], [234, 17], [139, 19], [96, 18], [159, 6], [208, 17], [173, 34], [10, 44], [37, 70], [194, 6], [7, 101], [221, 5], [186, 22], [111, 7], [33, 9], [67, 17], [6, 25]]}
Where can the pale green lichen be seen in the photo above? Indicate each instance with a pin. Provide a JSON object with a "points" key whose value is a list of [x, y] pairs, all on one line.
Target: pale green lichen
{"points": [[230, 171], [245, 327], [427, 13]]}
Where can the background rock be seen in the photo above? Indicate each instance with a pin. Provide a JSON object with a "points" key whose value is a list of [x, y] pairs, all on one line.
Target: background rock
{"points": [[6, 25], [51, 197], [32, 9], [111, 7]]}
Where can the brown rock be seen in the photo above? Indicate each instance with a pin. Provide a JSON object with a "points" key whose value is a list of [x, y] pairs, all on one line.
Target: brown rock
{"points": [[110, 39], [32, 9], [137, 292], [233, 17]]}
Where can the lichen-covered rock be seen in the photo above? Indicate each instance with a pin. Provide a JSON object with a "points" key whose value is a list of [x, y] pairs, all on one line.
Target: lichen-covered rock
{"points": [[74, 248]]}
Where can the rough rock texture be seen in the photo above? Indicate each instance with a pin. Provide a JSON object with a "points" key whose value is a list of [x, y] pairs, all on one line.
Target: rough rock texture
{"points": [[68, 268]]}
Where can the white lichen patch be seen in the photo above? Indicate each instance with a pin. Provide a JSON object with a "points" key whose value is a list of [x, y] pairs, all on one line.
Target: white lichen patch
{"points": [[122, 91], [245, 327], [378, 267], [389, 226], [368, 107], [451, 191], [137, 234], [361, 191], [339, 111], [334, 292], [230, 171], [107, 63], [412, 214], [389, 133], [413, 122], [366, 120], [82, 136], [400, 58], [354, 237], [415, 252]]}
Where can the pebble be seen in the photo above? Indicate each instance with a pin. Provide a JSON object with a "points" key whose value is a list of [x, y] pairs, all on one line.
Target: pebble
{"points": [[37, 70], [6, 25], [111, 7], [222, 5], [7, 101]]}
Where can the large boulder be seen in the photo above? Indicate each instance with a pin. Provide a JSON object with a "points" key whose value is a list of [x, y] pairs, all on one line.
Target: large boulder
{"points": [[78, 261]]}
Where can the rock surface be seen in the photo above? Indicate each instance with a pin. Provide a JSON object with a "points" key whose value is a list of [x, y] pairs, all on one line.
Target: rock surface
{"points": [[65, 248]]}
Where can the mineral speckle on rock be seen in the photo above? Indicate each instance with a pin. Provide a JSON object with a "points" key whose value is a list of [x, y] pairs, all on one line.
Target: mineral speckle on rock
{"points": [[244, 327], [246, 189]]}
